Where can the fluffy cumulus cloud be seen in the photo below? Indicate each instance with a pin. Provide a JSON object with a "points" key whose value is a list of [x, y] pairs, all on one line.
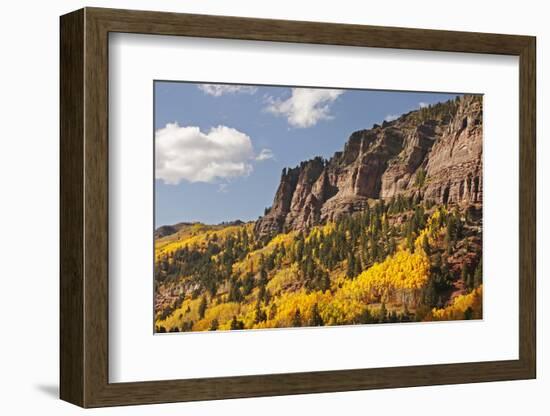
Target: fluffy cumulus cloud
{"points": [[422, 104], [187, 153], [391, 117], [218, 90], [305, 107]]}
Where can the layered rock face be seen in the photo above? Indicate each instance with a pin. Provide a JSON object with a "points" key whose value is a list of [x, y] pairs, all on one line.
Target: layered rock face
{"points": [[435, 153]]}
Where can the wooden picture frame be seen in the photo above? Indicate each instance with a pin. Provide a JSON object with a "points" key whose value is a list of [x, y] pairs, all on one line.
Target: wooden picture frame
{"points": [[84, 207]]}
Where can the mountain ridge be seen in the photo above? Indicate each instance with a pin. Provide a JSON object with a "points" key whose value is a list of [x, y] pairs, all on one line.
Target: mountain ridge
{"points": [[432, 153]]}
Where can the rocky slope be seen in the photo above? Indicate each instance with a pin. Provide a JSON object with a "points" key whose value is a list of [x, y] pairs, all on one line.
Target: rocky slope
{"points": [[434, 153]]}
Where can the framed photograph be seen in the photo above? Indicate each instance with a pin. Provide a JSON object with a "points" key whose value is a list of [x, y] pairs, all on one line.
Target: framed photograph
{"points": [[256, 207]]}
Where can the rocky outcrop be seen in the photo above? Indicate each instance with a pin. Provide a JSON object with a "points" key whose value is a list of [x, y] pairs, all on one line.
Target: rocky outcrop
{"points": [[433, 152], [454, 168]]}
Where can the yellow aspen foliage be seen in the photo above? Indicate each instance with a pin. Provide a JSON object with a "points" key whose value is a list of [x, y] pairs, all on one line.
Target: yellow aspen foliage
{"points": [[253, 258], [223, 313], [288, 303], [460, 305], [431, 230], [404, 271], [174, 320], [321, 229], [196, 235], [283, 278]]}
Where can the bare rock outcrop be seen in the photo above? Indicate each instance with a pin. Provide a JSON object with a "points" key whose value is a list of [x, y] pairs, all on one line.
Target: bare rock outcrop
{"points": [[434, 152]]}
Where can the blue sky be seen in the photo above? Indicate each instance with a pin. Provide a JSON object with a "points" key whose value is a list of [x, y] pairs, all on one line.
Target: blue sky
{"points": [[220, 149]]}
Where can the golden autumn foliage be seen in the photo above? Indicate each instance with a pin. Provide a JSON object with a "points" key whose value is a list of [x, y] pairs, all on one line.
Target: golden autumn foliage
{"points": [[301, 279], [197, 235], [462, 305], [282, 279], [403, 272], [252, 260], [432, 228]]}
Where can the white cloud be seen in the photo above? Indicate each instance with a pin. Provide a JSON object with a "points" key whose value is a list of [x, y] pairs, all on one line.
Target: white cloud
{"points": [[186, 153], [265, 154], [422, 104], [391, 117], [218, 90], [306, 106]]}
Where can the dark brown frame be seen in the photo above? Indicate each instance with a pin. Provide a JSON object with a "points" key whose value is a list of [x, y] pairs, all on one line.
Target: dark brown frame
{"points": [[84, 208]]}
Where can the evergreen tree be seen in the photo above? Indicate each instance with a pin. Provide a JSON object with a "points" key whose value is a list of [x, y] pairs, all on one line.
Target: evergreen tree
{"points": [[263, 276], [236, 324], [392, 246], [324, 284], [410, 242], [261, 293], [430, 294], [259, 314], [202, 307], [449, 237], [350, 272], [426, 245], [316, 319], [470, 281], [478, 274], [297, 319], [273, 311], [214, 325]]}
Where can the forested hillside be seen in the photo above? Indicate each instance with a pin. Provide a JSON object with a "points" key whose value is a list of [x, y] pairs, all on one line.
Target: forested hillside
{"points": [[394, 262]]}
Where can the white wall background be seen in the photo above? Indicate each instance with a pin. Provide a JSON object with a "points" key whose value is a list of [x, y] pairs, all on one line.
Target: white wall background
{"points": [[29, 159]]}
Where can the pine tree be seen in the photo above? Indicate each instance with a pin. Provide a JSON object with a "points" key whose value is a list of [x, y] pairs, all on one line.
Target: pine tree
{"points": [[467, 277], [261, 293], [449, 237], [351, 269], [202, 307], [392, 246], [214, 325], [430, 294], [478, 274], [263, 276], [259, 314], [236, 324], [410, 242], [316, 319], [273, 311], [426, 245], [470, 281], [324, 284], [297, 319]]}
